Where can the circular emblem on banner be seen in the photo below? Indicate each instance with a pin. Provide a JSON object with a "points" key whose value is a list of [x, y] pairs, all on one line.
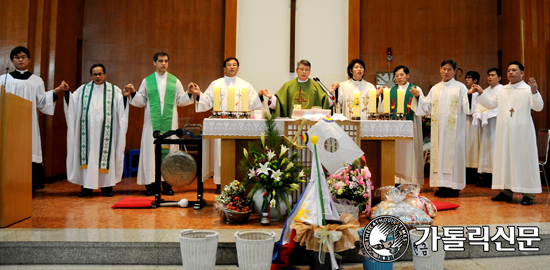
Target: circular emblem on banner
{"points": [[385, 239]]}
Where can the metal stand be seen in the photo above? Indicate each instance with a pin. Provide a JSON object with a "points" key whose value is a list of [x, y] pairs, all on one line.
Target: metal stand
{"points": [[161, 139]]}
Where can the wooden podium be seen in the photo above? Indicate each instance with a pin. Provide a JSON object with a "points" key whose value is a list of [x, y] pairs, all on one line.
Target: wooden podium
{"points": [[15, 158]]}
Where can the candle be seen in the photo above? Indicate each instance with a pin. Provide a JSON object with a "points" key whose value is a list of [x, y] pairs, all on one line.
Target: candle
{"points": [[400, 100], [216, 98], [372, 102], [244, 99], [386, 100], [231, 98], [356, 100]]}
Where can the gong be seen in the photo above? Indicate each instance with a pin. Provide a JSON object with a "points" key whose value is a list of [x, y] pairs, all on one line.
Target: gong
{"points": [[178, 169]]}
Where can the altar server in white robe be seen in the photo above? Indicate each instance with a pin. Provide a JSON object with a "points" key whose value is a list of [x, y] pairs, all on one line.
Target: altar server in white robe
{"points": [[344, 91], [205, 101], [24, 84], [516, 166], [160, 93], [409, 154], [447, 103], [472, 133], [97, 120], [486, 121]]}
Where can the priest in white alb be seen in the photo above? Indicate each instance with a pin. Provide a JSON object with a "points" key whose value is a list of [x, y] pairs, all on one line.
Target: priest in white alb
{"points": [[344, 92], [472, 132], [217, 96], [97, 120], [486, 121], [447, 103], [27, 85], [516, 164], [160, 93]]}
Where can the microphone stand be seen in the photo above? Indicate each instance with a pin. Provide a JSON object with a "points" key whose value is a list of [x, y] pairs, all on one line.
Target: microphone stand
{"points": [[328, 93]]}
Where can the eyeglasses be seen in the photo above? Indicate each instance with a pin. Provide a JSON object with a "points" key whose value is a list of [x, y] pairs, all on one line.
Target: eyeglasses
{"points": [[304, 69], [97, 74], [22, 57], [468, 77]]}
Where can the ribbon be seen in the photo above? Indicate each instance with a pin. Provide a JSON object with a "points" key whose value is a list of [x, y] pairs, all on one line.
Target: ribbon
{"points": [[328, 238]]}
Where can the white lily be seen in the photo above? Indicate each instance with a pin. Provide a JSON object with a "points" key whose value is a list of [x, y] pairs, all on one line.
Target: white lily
{"points": [[272, 203], [270, 154], [263, 140], [301, 174], [283, 150], [245, 153], [294, 186], [290, 165], [251, 173], [277, 175], [264, 169]]}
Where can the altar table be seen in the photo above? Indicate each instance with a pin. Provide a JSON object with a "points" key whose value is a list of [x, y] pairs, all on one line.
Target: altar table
{"points": [[231, 131]]}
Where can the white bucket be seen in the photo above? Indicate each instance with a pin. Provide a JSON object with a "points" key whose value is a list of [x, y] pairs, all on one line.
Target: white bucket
{"points": [[425, 258], [198, 249], [254, 249]]}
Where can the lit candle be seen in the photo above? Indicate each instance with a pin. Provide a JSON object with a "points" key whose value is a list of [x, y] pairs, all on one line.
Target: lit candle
{"points": [[386, 100], [400, 100], [216, 98], [244, 99], [356, 100], [231, 98], [372, 102]]}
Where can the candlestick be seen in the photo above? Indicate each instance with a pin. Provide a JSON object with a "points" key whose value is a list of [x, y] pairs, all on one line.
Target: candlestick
{"points": [[216, 98], [386, 100], [400, 100], [231, 98]]}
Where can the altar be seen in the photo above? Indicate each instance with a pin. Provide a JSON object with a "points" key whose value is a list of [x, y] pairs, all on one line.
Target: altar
{"points": [[236, 133]]}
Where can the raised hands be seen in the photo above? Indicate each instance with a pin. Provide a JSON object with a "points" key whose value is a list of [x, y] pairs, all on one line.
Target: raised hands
{"points": [[333, 87], [128, 90], [415, 92], [61, 88], [193, 88], [475, 88], [379, 91], [266, 93], [533, 83]]}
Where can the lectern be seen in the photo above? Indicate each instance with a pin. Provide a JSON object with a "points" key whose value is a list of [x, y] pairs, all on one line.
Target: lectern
{"points": [[15, 158]]}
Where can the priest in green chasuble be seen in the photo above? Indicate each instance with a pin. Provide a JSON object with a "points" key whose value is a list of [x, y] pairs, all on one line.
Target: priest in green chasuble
{"points": [[447, 103], [97, 120], [159, 93], [301, 92], [409, 167]]}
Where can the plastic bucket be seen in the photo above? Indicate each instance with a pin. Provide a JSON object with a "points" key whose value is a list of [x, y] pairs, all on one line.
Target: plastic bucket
{"points": [[369, 263], [198, 249], [254, 249], [423, 256]]}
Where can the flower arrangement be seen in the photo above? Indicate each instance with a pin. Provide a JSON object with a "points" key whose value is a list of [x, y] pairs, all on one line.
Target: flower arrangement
{"points": [[269, 166], [351, 185], [232, 205]]}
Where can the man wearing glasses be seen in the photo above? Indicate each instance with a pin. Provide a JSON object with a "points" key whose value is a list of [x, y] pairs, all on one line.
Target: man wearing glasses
{"points": [[300, 93], [24, 84]]}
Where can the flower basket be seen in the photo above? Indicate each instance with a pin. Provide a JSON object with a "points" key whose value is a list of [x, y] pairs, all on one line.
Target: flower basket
{"points": [[231, 216], [351, 189], [347, 208], [232, 206]]}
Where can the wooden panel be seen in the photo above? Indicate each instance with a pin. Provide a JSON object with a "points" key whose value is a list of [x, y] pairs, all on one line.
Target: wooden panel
{"points": [[191, 32], [15, 159], [354, 30], [14, 22], [423, 33], [228, 169], [230, 32]]}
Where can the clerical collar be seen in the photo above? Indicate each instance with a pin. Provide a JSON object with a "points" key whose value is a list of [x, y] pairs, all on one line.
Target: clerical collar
{"points": [[516, 84], [21, 75], [230, 78], [161, 75], [302, 81], [356, 80], [405, 86], [449, 81]]}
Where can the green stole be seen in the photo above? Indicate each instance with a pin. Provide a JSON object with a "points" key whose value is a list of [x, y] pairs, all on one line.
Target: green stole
{"points": [[161, 121], [308, 94], [408, 112], [106, 131]]}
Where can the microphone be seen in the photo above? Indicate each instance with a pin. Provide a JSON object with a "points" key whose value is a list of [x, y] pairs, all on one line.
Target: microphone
{"points": [[322, 85]]}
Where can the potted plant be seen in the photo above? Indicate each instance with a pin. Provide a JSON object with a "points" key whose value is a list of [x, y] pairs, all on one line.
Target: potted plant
{"points": [[271, 168], [351, 189]]}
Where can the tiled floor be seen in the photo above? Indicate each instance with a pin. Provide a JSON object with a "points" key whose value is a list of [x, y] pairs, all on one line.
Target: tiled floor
{"points": [[57, 206]]}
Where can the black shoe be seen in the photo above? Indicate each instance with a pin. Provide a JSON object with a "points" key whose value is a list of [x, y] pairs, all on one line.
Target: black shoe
{"points": [[152, 189], [450, 193], [501, 197], [441, 192], [167, 189], [85, 192], [218, 189], [526, 201], [107, 191]]}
